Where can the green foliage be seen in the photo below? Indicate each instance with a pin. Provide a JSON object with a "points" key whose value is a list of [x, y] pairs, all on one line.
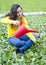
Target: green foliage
{"points": [[27, 5], [36, 55]]}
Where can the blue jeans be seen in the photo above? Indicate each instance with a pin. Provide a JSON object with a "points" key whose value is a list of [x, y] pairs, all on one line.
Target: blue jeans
{"points": [[23, 42]]}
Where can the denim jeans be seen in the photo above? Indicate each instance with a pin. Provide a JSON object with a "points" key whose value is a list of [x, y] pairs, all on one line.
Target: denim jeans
{"points": [[23, 42]]}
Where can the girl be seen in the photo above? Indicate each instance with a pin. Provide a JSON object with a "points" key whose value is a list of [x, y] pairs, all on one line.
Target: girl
{"points": [[13, 19]]}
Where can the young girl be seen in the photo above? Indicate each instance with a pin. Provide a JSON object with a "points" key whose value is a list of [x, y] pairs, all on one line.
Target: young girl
{"points": [[13, 20]]}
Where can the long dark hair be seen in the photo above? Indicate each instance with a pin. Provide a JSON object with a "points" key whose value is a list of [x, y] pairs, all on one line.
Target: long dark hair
{"points": [[13, 11]]}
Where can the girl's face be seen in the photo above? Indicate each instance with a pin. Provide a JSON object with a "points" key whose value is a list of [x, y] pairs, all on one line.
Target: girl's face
{"points": [[19, 12]]}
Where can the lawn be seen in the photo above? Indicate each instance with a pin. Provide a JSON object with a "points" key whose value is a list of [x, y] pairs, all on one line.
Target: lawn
{"points": [[28, 6], [36, 55]]}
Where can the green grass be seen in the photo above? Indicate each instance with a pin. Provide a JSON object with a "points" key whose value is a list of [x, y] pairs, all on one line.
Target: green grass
{"points": [[36, 55], [27, 5]]}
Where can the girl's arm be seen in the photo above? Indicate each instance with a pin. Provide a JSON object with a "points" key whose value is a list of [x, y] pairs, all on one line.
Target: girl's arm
{"points": [[8, 21]]}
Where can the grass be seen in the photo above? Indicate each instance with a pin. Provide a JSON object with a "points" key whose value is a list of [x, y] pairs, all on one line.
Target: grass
{"points": [[28, 6], [36, 55]]}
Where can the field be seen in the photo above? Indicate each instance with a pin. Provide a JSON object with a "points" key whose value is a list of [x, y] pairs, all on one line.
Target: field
{"points": [[28, 6], [36, 55]]}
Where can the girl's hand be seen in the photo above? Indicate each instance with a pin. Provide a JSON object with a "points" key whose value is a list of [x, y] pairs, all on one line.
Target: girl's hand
{"points": [[16, 22]]}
